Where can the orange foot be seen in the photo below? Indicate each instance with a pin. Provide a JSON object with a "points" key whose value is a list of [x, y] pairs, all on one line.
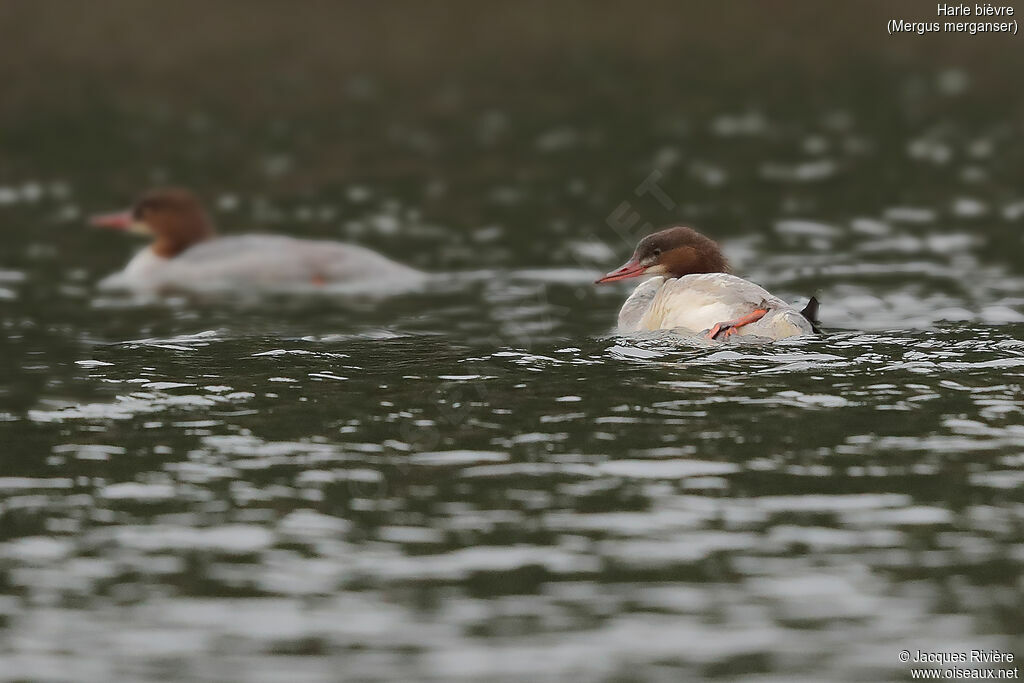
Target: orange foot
{"points": [[727, 329]]}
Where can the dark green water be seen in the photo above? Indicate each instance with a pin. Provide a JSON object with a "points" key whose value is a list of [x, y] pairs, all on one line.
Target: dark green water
{"points": [[478, 481]]}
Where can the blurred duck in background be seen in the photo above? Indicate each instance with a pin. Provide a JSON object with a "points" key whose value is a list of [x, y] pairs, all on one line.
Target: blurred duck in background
{"points": [[693, 293], [186, 254]]}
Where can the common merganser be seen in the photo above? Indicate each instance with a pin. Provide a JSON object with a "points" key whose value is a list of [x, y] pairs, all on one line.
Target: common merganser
{"points": [[694, 293], [186, 254]]}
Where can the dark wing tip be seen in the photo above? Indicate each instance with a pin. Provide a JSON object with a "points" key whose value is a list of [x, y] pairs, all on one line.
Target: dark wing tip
{"points": [[810, 311]]}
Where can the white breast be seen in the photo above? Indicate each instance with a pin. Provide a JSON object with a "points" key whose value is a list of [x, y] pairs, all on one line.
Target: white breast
{"points": [[694, 303], [144, 268], [264, 262]]}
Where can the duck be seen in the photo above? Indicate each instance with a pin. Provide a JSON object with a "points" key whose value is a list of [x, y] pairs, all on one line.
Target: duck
{"points": [[187, 254], [692, 292]]}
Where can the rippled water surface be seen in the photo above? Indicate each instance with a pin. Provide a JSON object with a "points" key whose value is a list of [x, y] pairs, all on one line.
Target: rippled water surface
{"points": [[479, 481]]}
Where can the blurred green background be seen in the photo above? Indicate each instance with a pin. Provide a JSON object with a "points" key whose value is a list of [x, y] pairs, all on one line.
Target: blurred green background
{"points": [[478, 480]]}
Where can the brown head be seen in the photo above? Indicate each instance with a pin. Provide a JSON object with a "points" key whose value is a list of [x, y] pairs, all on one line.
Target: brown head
{"points": [[673, 253], [173, 217]]}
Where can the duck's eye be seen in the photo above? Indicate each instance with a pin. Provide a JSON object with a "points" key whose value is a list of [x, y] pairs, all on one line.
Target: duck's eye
{"points": [[657, 252]]}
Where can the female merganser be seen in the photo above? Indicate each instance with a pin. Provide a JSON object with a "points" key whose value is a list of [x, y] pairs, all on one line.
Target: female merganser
{"points": [[695, 294], [186, 254]]}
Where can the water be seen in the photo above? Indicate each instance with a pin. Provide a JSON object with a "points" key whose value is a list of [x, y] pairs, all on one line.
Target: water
{"points": [[480, 481]]}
